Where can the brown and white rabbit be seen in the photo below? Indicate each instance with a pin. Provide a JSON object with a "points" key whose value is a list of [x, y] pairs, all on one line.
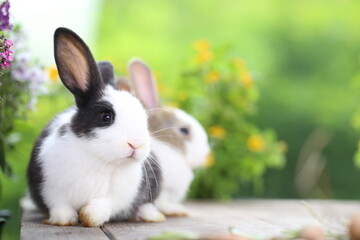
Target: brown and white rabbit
{"points": [[89, 162], [179, 142]]}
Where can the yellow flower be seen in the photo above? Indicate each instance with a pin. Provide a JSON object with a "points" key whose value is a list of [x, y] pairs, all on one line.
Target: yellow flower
{"points": [[202, 45], [239, 63], [256, 143], [157, 75], [210, 160], [245, 76], [162, 87], [204, 56], [212, 77], [173, 104], [246, 79], [217, 132], [203, 49], [53, 74]]}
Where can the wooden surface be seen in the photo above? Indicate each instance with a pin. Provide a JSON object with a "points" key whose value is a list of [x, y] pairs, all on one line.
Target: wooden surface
{"points": [[256, 218]]}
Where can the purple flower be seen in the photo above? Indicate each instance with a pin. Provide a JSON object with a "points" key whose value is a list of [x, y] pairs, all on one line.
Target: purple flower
{"points": [[26, 71], [4, 16], [6, 53], [8, 43]]}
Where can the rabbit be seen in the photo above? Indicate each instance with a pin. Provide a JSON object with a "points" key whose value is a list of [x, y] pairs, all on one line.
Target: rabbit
{"points": [[152, 176], [88, 164], [179, 142]]}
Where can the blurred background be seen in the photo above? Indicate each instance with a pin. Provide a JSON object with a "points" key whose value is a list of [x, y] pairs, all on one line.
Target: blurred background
{"points": [[279, 81]]}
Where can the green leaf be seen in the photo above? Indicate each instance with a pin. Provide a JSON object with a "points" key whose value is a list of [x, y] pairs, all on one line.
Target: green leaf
{"points": [[357, 158], [174, 236]]}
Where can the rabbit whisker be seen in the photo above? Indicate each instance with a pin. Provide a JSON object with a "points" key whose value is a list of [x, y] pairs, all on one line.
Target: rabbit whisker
{"points": [[169, 145], [164, 129], [152, 170], [165, 136], [152, 158], [158, 109], [148, 183]]}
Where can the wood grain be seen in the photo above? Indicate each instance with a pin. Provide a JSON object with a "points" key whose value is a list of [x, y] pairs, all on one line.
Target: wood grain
{"points": [[32, 228], [255, 218]]}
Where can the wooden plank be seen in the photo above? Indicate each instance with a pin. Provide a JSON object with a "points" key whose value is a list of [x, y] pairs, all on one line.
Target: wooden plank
{"points": [[140, 231], [32, 228], [255, 218], [206, 218], [294, 214], [228, 216]]}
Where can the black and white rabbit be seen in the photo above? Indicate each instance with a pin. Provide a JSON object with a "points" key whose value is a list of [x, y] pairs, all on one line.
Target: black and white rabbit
{"points": [[144, 208], [89, 162]]}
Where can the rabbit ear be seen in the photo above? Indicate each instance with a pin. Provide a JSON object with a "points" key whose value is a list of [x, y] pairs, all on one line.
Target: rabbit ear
{"points": [[76, 66], [107, 72], [124, 84], [144, 83]]}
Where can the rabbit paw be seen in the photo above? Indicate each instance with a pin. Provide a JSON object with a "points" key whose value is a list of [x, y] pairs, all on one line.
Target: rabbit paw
{"points": [[94, 215], [62, 216], [149, 213]]}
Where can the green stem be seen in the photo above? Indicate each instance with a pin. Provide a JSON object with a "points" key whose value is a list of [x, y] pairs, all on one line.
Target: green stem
{"points": [[2, 142]]}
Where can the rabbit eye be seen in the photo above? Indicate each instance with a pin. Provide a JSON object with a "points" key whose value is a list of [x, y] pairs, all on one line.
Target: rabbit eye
{"points": [[107, 117], [184, 130]]}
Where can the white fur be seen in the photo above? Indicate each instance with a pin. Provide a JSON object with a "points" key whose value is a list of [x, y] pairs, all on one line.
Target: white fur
{"points": [[177, 166], [198, 148], [176, 173], [27, 204], [94, 174], [149, 213]]}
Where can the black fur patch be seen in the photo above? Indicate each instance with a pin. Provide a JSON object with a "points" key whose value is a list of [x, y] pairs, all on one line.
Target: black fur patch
{"points": [[89, 117], [151, 182], [107, 72], [35, 172], [63, 130]]}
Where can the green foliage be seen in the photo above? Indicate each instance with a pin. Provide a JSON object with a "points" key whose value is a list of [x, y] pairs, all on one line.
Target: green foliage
{"points": [[304, 54], [219, 90], [13, 105], [19, 87], [355, 83], [357, 158]]}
